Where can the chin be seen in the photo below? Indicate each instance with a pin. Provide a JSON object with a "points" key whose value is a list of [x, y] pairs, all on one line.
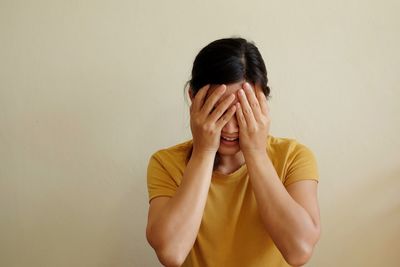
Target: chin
{"points": [[228, 150]]}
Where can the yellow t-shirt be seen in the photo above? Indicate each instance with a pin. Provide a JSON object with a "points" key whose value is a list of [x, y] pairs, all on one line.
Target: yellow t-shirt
{"points": [[231, 231]]}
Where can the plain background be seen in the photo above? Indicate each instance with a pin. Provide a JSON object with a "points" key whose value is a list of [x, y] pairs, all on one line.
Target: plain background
{"points": [[90, 89]]}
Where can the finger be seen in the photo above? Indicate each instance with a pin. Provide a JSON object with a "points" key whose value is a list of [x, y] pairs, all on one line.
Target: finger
{"points": [[226, 117], [213, 98], [262, 100], [246, 109], [240, 116], [222, 107], [253, 101], [200, 97]]}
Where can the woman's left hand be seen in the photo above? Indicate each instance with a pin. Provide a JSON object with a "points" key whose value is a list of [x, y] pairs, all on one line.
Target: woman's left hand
{"points": [[252, 113]]}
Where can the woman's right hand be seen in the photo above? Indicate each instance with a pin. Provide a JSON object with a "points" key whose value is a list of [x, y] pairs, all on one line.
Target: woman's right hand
{"points": [[207, 120]]}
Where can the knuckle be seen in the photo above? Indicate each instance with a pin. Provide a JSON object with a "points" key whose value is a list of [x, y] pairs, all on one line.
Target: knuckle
{"points": [[207, 128], [254, 105], [218, 110], [208, 105], [211, 130], [225, 118], [247, 111]]}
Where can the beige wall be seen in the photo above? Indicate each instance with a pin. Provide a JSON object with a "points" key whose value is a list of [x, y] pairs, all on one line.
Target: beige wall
{"points": [[89, 89]]}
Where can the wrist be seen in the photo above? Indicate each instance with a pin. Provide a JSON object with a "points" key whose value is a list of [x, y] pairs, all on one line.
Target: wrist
{"points": [[203, 154], [255, 154]]}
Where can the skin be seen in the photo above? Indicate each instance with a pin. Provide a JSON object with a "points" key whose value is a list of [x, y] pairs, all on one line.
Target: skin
{"points": [[290, 215]]}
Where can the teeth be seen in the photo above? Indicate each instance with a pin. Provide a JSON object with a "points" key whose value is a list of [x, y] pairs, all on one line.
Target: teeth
{"points": [[228, 139]]}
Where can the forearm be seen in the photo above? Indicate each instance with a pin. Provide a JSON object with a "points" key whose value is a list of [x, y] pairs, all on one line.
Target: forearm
{"points": [[288, 223], [177, 226]]}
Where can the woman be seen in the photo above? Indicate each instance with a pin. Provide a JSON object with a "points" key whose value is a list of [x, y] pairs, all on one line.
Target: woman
{"points": [[233, 195]]}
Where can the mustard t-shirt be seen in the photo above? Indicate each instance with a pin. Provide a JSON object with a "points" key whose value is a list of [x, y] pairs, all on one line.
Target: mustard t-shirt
{"points": [[231, 231]]}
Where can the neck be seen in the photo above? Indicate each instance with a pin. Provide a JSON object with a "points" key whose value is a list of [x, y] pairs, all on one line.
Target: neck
{"points": [[229, 164]]}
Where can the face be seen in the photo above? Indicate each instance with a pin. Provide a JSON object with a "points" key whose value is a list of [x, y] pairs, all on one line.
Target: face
{"points": [[231, 129]]}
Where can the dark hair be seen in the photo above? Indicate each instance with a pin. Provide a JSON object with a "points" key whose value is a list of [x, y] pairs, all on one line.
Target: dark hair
{"points": [[226, 61]]}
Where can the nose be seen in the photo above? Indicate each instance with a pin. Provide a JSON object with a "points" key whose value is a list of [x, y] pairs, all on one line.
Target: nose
{"points": [[231, 126]]}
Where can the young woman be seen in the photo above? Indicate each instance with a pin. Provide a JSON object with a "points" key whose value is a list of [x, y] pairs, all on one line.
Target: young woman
{"points": [[233, 195]]}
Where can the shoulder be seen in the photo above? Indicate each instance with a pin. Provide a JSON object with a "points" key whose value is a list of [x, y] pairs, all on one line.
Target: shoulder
{"points": [[165, 169], [293, 160], [176, 154], [289, 152], [284, 145]]}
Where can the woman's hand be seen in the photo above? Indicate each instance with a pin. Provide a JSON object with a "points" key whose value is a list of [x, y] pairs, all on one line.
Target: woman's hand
{"points": [[207, 121], [252, 114]]}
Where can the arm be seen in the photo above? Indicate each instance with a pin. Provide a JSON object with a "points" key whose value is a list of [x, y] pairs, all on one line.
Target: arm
{"points": [[290, 216], [173, 223]]}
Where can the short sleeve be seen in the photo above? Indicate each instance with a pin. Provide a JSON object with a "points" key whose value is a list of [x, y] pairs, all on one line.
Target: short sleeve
{"points": [[159, 181], [302, 166]]}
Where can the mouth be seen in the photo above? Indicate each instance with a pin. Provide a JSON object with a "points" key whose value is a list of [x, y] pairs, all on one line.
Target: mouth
{"points": [[229, 140]]}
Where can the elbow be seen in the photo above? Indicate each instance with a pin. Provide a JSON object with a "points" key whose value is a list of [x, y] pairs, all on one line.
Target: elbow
{"points": [[166, 253], [299, 257], [169, 259], [301, 254]]}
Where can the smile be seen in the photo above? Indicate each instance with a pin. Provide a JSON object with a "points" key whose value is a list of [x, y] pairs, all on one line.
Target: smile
{"points": [[229, 139]]}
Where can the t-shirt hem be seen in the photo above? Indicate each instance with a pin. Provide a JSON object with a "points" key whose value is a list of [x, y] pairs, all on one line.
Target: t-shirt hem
{"points": [[298, 180], [161, 195]]}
